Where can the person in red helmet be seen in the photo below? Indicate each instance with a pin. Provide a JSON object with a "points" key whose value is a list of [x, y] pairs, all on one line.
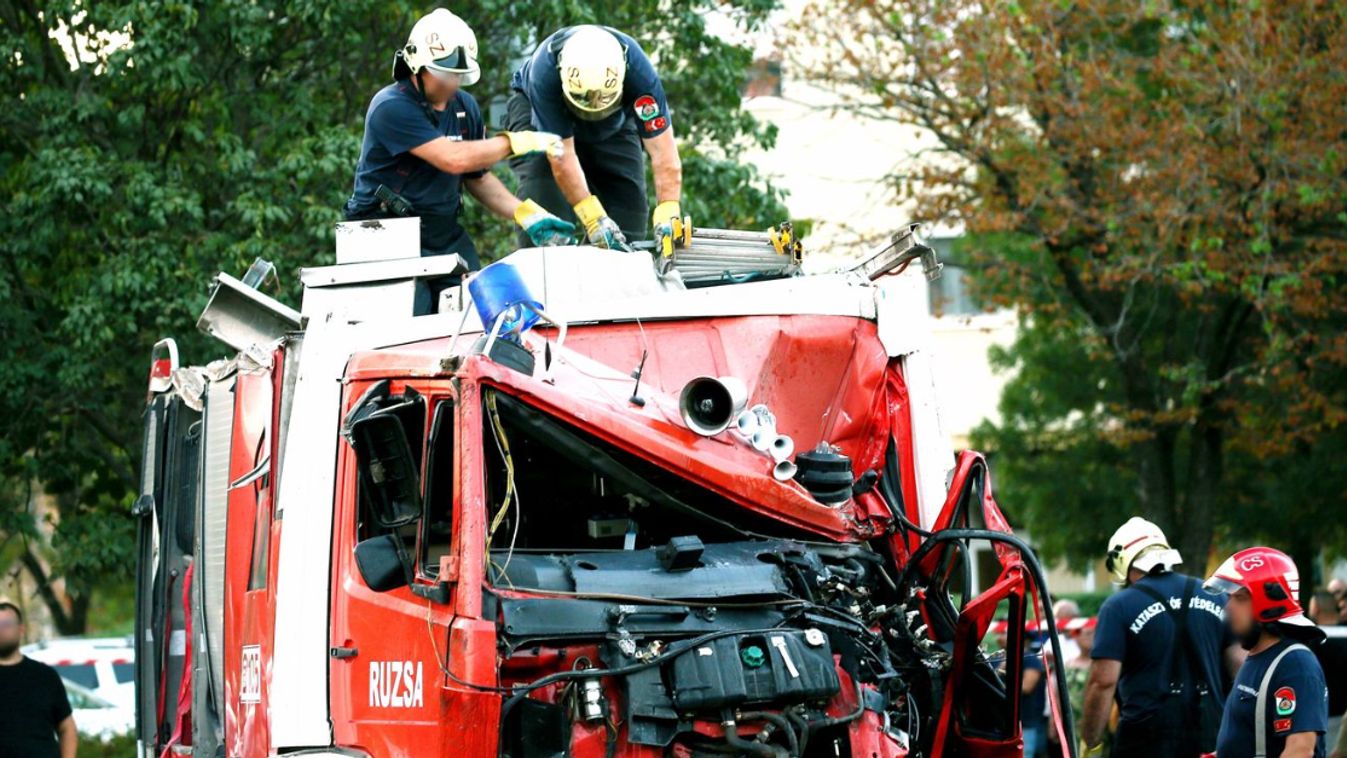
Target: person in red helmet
{"points": [[1279, 705]]}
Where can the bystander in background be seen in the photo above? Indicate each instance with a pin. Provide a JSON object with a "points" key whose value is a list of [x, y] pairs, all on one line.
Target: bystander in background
{"points": [[1326, 610], [35, 720], [1033, 703]]}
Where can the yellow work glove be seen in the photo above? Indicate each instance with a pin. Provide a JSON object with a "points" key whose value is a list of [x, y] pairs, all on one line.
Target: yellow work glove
{"points": [[527, 143], [665, 224], [601, 230], [666, 213], [1085, 751]]}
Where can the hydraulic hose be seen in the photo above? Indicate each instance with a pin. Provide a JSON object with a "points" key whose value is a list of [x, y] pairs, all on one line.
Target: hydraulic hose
{"points": [[1040, 581], [792, 739], [802, 724], [891, 491], [732, 737], [828, 722]]}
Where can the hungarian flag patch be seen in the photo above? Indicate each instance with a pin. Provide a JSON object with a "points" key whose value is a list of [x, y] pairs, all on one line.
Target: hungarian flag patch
{"points": [[1286, 701], [646, 108]]}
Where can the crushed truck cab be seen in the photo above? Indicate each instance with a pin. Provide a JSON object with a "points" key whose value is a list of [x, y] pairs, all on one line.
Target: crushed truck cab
{"points": [[588, 509]]}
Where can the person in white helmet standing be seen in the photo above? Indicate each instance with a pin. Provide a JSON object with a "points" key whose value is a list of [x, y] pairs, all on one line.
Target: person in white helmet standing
{"points": [[596, 88], [425, 141], [1162, 648]]}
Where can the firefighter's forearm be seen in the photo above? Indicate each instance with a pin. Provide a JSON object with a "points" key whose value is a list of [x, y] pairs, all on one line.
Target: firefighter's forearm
{"points": [[1300, 745], [666, 165], [570, 177], [491, 192], [463, 156], [1093, 719]]}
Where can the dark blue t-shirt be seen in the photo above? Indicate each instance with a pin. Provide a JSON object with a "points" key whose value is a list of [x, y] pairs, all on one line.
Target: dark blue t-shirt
{"points": [[1297, 701], [398, 120], [1033, 703], [1139, 631], [539, 79]]}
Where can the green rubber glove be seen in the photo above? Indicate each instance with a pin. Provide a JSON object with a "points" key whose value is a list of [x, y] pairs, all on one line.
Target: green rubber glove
{"points": [[542, 227]]}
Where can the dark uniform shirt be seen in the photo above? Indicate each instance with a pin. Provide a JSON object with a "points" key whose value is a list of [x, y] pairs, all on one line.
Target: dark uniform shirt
{"points": [[1034, 703], [32, 704], [643, 100], [1332, 655], [1137, 630], [1297, 701], [398, 120]]}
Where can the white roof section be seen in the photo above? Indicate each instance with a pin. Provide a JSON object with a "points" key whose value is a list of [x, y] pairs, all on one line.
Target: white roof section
{"points": [[590, 284], [585, 285]]}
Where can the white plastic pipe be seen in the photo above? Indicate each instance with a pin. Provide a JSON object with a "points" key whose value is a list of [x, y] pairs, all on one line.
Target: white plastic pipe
{"points": [[746, 424]]}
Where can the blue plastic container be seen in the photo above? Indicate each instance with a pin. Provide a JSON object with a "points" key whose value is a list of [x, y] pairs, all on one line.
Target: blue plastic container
{"points": [[498, 289]]}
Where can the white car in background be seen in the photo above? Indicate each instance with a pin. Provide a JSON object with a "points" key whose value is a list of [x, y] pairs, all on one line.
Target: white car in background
{"points": [[103, 665], [95, 717]]}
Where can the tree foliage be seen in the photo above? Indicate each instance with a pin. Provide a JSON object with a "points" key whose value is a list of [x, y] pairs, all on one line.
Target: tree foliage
{"points": [[147, 145], [1158, 189]]}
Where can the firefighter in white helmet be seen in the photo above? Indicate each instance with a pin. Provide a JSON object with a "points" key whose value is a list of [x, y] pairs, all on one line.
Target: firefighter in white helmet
{"points": [[1162, 647], [425, 141], [596, 88]]}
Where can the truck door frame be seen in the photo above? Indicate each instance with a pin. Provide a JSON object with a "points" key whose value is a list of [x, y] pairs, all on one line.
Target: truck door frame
{"points": [[382, 640]]}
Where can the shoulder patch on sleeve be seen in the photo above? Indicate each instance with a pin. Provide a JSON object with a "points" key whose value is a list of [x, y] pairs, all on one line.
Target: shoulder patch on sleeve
{"points": [[1286, 701], [656, 124], [646, 107], [1281, 725]]}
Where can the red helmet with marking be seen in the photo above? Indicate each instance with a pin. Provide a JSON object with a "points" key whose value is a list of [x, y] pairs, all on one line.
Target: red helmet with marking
{"points": [[1272, 580]]}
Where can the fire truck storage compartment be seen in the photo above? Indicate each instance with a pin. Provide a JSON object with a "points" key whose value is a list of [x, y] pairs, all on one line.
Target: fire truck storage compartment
{"points": [[208, 576]]}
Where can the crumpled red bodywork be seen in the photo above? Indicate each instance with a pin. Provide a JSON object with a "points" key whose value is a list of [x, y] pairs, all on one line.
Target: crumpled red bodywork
{"points": [[841, 619]]}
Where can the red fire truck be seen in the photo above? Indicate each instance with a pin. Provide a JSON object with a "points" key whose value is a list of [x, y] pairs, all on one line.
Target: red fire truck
{"points": [[587, 509]]}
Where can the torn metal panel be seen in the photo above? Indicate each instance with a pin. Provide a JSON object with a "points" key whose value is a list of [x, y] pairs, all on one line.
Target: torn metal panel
{"points": [[241, 317]]}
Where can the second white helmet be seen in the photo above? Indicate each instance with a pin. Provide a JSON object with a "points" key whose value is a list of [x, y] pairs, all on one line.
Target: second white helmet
{"points": [[441, 41], [593, 65], [1139, 544]]}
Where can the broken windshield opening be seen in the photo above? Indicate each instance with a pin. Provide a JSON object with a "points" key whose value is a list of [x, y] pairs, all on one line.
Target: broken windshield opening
{"points": [[554, 488]]}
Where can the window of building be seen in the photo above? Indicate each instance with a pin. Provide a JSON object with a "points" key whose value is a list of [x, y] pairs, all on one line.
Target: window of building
{"points": [[764, 79], [951, 294]]}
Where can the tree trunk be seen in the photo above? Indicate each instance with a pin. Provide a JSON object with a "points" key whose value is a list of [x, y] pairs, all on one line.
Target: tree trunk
{"points": [[1156, 499], [68, 621], [1306, 555], [1206, 472]]}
